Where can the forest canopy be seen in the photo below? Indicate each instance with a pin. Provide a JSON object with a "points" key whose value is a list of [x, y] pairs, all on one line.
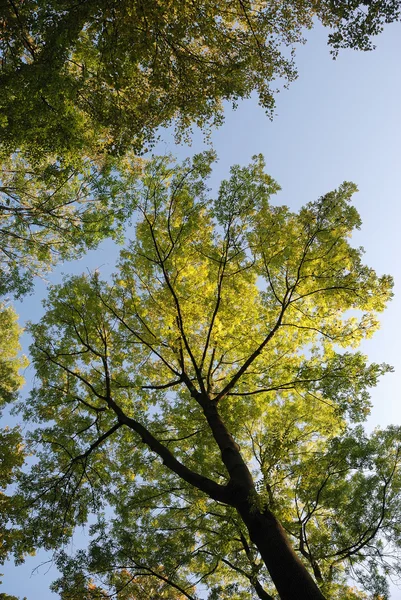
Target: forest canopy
{"points": [[84, 78], [84, 83], [201, 412]]}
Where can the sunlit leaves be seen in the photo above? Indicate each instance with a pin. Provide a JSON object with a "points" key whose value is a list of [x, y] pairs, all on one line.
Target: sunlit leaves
{"points": [[96, 78], [234, 303], [12, 451], [10, 361], [82, 79]]}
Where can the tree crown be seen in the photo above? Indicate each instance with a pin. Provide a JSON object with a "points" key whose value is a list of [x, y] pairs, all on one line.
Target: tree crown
{"points": [[220, 347]]}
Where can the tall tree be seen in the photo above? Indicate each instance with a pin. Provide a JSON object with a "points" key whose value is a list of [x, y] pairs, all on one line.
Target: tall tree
{"points": [[88, 77], [206, 400]]}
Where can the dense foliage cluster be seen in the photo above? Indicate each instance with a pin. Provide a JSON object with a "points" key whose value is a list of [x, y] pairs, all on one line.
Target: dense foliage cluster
{"points": [[85, 77]]}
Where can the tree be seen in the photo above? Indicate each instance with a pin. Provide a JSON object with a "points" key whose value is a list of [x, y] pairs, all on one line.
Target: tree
{"points": [[84, 78], [355, 22], [11, 445], [211, 393], [52, 212]]}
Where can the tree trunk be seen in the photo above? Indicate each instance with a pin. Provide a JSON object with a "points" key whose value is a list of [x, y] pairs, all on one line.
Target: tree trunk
{"points": [[289, 575]]}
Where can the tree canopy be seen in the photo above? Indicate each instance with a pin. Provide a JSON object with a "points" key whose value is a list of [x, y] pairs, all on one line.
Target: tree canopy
{"points": [[98, 76], [205, 404], [83, 81], [211, 394]]}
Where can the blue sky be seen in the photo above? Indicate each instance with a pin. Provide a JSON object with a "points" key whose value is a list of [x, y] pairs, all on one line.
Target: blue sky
{"points": [[340, 120]]}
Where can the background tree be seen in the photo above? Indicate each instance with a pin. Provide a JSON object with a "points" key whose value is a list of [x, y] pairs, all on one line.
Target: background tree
{"points": [[83, 81], [50, 213], [12, 452], [206, 394], [88, 77]]}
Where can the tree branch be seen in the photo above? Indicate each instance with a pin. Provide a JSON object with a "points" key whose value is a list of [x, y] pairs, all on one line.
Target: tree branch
{"points": [[208, 486]]}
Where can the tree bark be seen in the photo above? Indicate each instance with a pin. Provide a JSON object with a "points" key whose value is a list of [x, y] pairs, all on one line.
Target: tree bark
{"points": [[289, 575]]}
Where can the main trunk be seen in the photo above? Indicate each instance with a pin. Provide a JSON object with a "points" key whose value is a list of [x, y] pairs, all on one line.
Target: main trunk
{"points": [[289, 575]]}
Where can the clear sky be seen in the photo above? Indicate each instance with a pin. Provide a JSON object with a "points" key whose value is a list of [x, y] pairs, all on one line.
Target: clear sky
{"points": [[341, 120]]}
